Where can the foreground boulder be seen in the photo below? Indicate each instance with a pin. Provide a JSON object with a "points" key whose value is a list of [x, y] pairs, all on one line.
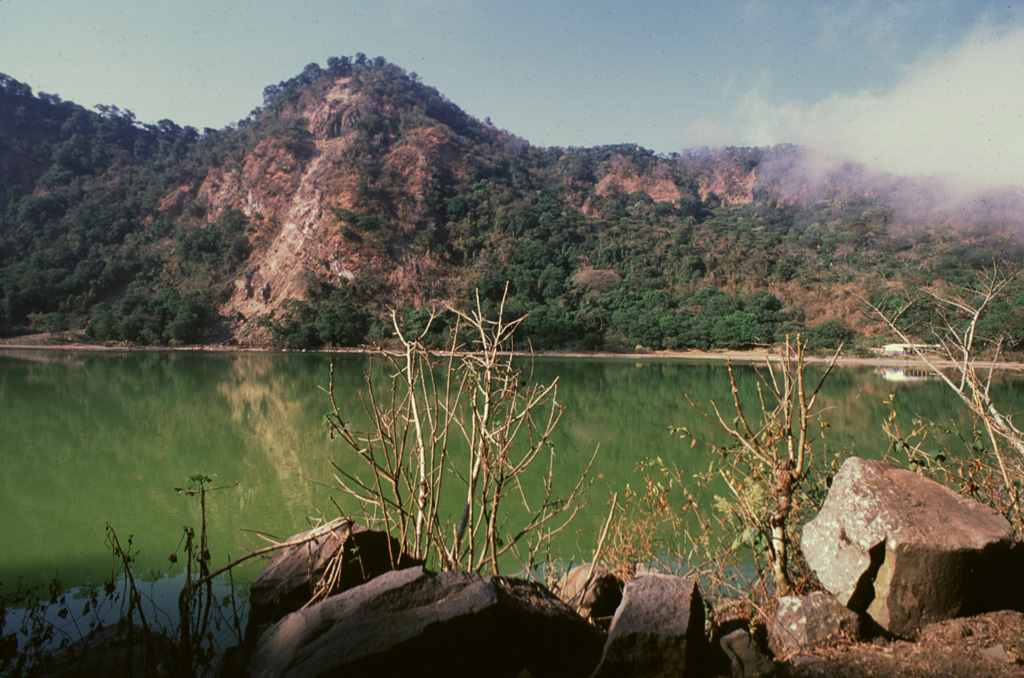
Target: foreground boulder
{"points": [[594, 594], [658, 630], [415, 622], [337, 556], [745, 657], [802, 621], [906, 550]]}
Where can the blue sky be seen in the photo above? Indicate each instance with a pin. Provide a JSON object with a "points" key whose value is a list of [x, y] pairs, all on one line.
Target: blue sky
{"points": [[914, 86]]}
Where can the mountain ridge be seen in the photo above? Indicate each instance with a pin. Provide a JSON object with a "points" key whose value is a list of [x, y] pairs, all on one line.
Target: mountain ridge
{"points": [[356, 188]]}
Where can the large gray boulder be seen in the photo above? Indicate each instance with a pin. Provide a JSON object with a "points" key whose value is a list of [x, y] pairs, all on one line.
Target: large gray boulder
{"points": [[657, 631], [906, 550], [415, 622], [349, 553]]}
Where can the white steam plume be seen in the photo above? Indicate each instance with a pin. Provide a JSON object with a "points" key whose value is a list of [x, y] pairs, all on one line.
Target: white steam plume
{"points": [[956, 115]]}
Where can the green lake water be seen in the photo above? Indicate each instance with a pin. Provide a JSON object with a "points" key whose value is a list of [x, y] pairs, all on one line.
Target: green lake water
{"points": [[91, 438]]}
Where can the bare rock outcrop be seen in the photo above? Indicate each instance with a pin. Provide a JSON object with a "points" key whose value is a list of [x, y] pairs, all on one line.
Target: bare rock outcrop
{"points": [[906, 550], [415, 622]]}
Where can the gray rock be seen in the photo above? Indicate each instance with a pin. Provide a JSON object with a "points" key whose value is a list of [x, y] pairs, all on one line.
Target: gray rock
{"points": [[414, 622], [801, 621], [658, 630], [290, 578], [595, 600], [905, 549], [745, 656]]}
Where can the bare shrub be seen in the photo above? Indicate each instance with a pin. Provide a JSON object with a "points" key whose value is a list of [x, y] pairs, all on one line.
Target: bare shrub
{"points": [[594, 279], [952, 348], [460, 427]]}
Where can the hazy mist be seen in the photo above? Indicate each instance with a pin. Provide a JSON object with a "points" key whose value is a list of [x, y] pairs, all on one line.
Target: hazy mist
{"points": [[956, 116]]}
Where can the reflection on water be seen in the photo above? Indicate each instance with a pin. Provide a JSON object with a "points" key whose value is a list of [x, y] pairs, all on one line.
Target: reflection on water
{"points": [[77, 612], [905, 374], [90, 438]]}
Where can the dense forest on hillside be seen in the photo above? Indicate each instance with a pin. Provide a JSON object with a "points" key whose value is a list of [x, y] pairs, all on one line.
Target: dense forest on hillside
{"points": [[389, 196]]}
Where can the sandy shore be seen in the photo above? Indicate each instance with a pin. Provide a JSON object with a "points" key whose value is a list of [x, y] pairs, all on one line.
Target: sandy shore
{"points": [[51, 342]]}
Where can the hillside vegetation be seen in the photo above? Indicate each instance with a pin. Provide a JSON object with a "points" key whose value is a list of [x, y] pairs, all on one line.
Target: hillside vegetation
{"points": [[355, 188]]}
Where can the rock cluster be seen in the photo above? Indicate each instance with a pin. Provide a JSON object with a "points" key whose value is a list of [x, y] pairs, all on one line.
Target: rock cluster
{"points": [[895, 551], [413, 621]]}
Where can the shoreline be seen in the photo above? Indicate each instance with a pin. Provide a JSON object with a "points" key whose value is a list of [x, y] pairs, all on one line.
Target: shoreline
{"points": [[46, 343]]}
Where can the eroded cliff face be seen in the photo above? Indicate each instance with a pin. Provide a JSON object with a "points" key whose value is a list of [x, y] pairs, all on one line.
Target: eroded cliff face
{"points": [[730, 174], [625, 178], [294, 200], [285, 199], [733, 184]]}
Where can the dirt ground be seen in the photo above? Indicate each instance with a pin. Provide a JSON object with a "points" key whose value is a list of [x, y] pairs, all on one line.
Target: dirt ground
{"points": [[990, 645]]}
